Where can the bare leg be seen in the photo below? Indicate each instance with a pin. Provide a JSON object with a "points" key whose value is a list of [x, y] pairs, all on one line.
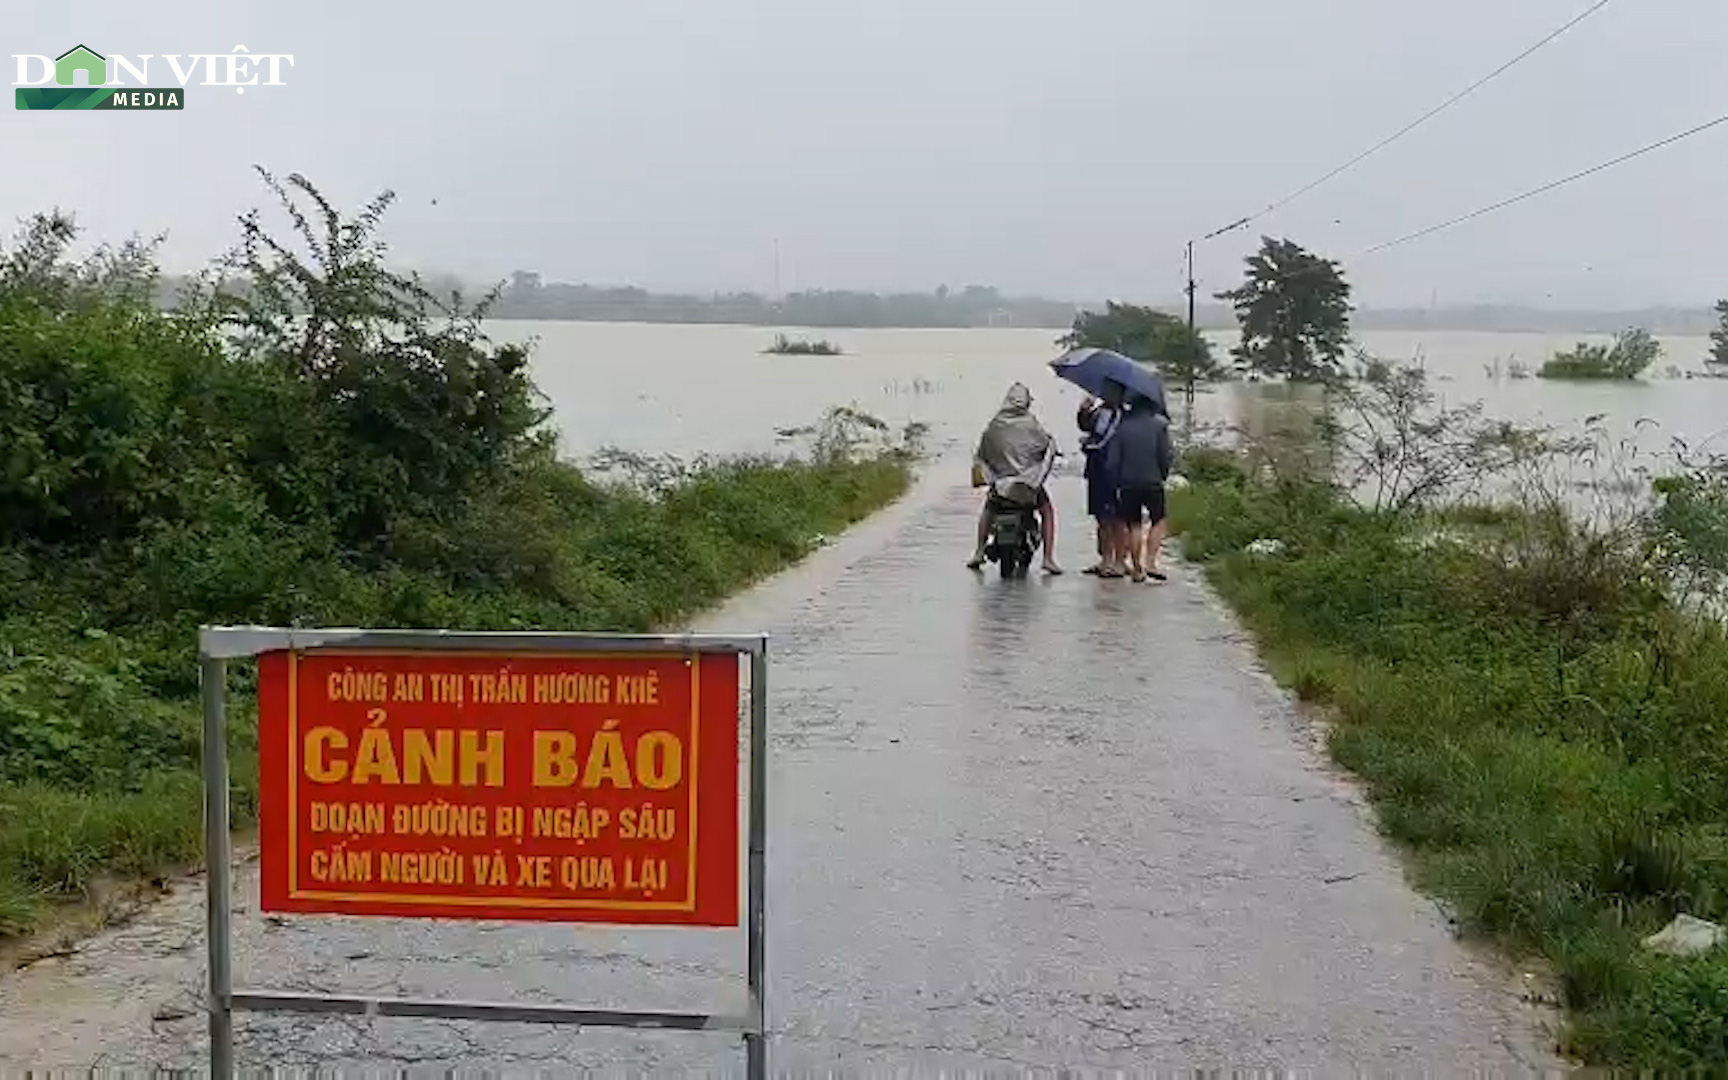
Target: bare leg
{"points": [[1116, 548], [1101, 530], [1137, 551], [976, 562], [1047, 522], [1155, 546]]}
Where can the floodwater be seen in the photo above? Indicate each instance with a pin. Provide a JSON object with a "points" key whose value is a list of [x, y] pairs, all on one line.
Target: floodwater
{"points": [[710, 389]]}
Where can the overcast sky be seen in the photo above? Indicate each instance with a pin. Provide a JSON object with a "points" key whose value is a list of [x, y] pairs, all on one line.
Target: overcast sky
{"points": [[1067, 149]]}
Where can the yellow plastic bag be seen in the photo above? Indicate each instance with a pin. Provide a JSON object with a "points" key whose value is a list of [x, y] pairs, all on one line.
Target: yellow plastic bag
{"points": [[977, 475]]}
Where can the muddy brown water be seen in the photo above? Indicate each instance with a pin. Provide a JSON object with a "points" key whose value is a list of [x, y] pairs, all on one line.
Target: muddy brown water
{"points": [[693, 389]]}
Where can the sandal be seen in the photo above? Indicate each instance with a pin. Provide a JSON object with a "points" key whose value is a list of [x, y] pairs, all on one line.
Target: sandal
{"points": [[1109, 573], [1095, 569], [1157, 575]]}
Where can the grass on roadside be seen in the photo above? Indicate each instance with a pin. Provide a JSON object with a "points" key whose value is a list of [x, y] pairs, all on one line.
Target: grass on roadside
{"points": [[1531, 716], [308, 438], [99, 741]]}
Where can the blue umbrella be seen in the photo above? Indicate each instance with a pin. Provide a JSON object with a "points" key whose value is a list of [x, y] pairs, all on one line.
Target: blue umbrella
{"points": [[1091, 369]]}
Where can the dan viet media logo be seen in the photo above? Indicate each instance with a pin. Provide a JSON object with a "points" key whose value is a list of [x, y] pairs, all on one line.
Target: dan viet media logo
{"points": [[82, 78]]}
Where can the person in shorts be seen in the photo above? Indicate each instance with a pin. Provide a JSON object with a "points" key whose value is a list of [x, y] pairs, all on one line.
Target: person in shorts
{"points": [[1141, 457]]}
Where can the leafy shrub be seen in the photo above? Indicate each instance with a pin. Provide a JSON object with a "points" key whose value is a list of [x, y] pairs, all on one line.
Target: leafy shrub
{"points": [[308, 439], [1212, 465], [1631, 354], [1392, 444], [1533, 711], [1689, 528]]}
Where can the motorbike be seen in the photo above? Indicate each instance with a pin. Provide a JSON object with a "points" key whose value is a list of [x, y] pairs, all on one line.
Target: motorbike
{"points": [[1014, 535]]}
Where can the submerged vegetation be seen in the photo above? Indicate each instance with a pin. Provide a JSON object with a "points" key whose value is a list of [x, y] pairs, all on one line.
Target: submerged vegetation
{"points": [[1537, 706], [1293, 309], [785, 346], [1180, 354], [333, 444], [1632, 353]]}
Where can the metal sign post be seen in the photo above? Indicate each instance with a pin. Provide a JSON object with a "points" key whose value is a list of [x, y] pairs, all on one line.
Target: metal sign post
{"points": [[332, 707]]}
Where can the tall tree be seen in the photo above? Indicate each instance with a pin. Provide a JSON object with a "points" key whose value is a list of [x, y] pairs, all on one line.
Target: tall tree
{"points": [[1181, 355], [1719, 336], [1294, 310]]}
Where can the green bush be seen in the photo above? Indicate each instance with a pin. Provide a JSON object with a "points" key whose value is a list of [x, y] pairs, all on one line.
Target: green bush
{"points": [[1212, 465], [1631, 354], [312, 440], [1532, 713]]}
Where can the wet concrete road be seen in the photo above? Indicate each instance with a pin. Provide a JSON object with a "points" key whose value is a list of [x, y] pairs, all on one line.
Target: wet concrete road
{"points": [[1028, 824]]}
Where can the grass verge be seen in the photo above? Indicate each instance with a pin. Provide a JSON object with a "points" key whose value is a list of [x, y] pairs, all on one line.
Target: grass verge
{"points": [[308, 437], [1534, 719], [98, 767]]}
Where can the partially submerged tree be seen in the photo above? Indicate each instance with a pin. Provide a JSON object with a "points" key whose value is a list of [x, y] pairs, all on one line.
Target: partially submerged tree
{"points": [[1183, 356], [1629, 356], [1294, 310], [1719, 336]]}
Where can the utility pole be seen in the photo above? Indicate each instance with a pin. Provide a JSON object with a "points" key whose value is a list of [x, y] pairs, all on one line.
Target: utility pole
{"points": [[1188, 387], [1190, 285], [1232, 227]]}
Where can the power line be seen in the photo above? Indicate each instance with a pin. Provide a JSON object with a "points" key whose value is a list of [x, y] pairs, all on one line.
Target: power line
{"points": [[1327, 264], [1414, 124], [1550, 186]]}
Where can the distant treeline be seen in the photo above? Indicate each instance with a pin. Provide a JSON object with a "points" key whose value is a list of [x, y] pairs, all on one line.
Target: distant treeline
{"points": [[1514, 319], [524, 296]]}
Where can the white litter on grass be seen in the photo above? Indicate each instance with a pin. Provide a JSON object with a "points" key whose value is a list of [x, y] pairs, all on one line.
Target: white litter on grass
{"points": [[1176, 482], [1685, 936], [1438, 538], [1265, 546]]}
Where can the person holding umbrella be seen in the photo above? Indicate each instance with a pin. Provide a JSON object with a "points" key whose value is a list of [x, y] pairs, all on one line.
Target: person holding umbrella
{"points": [[1140, 457], [1106, 374], [1114, 378]]}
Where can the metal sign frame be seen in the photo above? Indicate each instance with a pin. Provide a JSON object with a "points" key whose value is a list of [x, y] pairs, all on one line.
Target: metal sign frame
{"points": [[219, 644]]}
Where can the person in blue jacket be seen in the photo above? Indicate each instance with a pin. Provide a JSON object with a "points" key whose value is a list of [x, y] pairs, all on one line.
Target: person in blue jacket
{"points": [[1140, 457]]}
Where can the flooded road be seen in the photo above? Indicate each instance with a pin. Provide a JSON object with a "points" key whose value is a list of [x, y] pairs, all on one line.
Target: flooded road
{"points": [[1055, 822]]}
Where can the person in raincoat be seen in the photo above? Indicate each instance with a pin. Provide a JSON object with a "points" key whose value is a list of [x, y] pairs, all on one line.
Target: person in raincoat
{"points": [[1015, 450]]}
